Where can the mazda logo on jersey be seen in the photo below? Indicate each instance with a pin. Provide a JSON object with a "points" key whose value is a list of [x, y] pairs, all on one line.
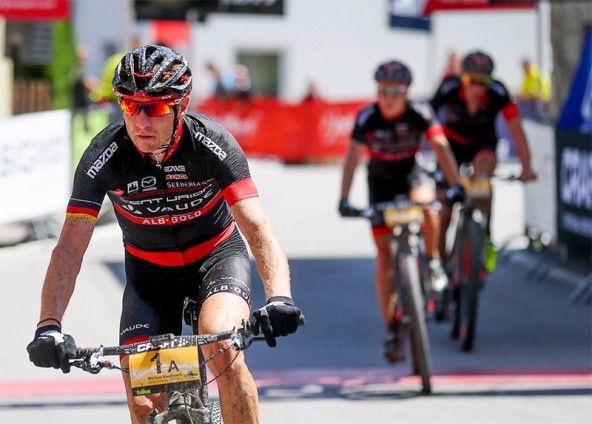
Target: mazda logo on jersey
{"points": [[148, 183]]}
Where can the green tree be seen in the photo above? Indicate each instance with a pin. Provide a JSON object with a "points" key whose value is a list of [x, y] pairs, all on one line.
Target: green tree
{"points": [[64, 67]]}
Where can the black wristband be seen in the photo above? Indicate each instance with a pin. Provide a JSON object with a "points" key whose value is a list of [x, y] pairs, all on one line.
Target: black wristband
{"points": [[284, 299], [46, 328]]}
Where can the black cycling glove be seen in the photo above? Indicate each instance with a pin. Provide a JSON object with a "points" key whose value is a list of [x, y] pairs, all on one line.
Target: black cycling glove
{"points": [[347, 210], [278, 318], [50, 348], [456, 194]]}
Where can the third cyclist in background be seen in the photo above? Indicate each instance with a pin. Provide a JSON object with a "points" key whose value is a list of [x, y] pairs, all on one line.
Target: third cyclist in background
{"points": [[392, 129], [467, 106]]}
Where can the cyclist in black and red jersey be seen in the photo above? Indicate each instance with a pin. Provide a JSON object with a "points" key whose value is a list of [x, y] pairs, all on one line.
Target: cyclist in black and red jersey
{"points": [[467, 105], [181, 189], [392, 130]]}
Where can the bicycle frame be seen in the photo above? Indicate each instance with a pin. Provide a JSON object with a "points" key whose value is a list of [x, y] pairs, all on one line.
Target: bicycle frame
{"points": [[467, 264]]}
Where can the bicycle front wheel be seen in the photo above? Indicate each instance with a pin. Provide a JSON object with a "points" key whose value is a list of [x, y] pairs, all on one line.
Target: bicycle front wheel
{"points": [[413, 304], [469, 294]]}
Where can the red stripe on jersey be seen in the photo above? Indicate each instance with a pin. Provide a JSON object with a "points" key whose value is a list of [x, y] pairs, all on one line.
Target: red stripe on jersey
{"points": [[83, 211], [393, 157], [241, 190], [434, 131], [186, 257], [169, 219], [510, 111], [454, 136]]}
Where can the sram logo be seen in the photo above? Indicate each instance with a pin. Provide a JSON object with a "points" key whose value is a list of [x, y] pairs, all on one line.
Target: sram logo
{"points": [[102, 160]]}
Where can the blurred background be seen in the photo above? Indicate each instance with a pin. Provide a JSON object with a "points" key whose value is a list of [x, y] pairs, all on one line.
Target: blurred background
{"points": [[287, 77]]}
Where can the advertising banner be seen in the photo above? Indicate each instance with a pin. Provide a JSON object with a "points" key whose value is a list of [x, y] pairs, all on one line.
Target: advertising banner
{"points": [[415, 14], [34, 10], [293, 133], [574, 158], [35, 165]]}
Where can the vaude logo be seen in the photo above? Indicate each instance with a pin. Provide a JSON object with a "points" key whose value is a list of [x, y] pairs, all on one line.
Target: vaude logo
{"points": [[210, 145], [102, 160]]}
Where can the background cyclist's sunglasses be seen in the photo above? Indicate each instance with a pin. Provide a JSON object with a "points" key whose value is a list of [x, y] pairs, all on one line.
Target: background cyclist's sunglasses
{"points": [[397, 90], [476, 79], [153, 110]]}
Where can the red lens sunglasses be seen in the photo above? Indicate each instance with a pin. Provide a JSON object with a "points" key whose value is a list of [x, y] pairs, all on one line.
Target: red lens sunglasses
{"points": [[152, 109]]}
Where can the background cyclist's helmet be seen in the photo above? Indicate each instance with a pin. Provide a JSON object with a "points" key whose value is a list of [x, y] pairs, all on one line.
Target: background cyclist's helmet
{"points": [[477, 62], [393, 71], [138, 76]]}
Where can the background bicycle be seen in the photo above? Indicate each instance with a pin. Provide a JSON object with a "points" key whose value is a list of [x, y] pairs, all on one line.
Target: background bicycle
{"points": [[404, 217], [467, 262]]}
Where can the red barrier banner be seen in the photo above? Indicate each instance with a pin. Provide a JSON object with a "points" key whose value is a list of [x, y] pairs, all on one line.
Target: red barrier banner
{"points": [[34, 10], [293, 133]]}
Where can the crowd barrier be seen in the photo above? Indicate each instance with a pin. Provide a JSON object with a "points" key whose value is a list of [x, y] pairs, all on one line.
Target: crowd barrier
{"points": [[307, 132]]}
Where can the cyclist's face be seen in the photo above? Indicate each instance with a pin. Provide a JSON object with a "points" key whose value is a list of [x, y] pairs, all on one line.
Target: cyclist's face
{"points": [[475, 85], [149, 134], [391, 98]]}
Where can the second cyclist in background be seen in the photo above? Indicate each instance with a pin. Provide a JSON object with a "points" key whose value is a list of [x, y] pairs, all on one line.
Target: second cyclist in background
{"points": [[392, 130], [467, 105]]}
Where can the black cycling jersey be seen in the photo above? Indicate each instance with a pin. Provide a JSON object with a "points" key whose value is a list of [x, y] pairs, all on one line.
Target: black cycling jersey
{"points": [[170, 214], [394, 143], [461, 127]]}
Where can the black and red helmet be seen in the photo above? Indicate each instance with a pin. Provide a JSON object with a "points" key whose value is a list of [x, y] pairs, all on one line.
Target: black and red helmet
{"points": [[393, 71], [477, 62], [153, 72]]}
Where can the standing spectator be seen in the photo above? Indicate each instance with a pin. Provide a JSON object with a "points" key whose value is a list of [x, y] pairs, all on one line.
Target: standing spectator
{"points": [[83, 86], [312, 94], [535, 91], [453, 67]]}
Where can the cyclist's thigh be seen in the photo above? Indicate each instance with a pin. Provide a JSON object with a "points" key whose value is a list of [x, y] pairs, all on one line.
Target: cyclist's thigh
{"points": [[152, 299], [422, 187], [227, 271], [485, 161]]}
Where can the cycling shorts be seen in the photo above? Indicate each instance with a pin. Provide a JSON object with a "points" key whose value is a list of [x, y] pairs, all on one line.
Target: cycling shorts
{"points": [[465, 153], [153, 295], [401, 182], [385, 189]]}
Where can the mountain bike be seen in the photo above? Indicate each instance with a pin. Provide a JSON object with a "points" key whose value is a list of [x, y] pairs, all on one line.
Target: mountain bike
{"points": [[404, 217], [466, 263], [174, 365]]}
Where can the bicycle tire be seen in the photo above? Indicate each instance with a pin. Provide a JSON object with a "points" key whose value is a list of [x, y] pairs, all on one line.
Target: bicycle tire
{"points": [[470, 292], [413, 304], [457, 274]]}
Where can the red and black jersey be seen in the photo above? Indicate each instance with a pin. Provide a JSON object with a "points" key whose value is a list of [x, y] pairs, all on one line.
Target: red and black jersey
{"points": [[173, 213], [394, 143], [461, 127]]}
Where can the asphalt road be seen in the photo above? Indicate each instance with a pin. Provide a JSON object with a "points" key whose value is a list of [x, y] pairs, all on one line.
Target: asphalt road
{"points": [[531, 364]]}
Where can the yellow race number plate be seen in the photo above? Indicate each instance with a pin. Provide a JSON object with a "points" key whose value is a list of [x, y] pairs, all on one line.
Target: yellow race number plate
{"points": [[401, 216], [152, 371], [477, 187]]}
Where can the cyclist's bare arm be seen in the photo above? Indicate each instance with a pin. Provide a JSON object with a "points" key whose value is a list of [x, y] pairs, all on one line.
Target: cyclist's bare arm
{"points": [[271, 260], [64, 267], [352, 158], [441, 148], [515, 128]]}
